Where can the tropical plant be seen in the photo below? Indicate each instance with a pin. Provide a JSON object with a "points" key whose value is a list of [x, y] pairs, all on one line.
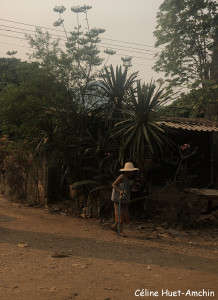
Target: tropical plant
{"points": [[142, 136], [115, 85], [102, 150], [181, 174]]}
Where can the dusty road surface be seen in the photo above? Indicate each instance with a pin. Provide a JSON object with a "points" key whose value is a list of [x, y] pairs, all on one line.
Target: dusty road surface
{"points": [[46, 256]]}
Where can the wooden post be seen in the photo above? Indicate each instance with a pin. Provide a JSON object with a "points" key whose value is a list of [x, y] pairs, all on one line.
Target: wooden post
{"points": [[212, 157], [212, 168], [212, 114]]}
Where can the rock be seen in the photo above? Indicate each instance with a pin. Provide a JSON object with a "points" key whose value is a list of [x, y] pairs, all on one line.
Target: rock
{"points": [[107, 223], [84, 267], [75, 265], [174, 232], [215, 214], [22, 245], [148, 237], [164, 235], [164, 224], [150, 226], [161, 229], [59, 255], [141, 227], [192, 243], [16, 204], [55, 211], [53, 289]]}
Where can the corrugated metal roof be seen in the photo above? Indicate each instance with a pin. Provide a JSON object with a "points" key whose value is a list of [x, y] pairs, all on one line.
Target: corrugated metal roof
{"points": [[190, 124]]}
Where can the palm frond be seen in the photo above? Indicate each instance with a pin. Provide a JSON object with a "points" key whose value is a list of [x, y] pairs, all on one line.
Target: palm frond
{"points": [[83, 183]]}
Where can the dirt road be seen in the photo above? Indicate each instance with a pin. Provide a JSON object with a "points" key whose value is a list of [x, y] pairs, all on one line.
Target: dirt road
{"points": [[46, 256]]}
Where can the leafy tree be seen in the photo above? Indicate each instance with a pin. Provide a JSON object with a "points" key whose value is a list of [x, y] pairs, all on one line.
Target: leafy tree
{"points": [[192, 104], [32, 98], [214, 63], [77, 65], [186, 28], [40, 116], [8, 71], [39, 113]]}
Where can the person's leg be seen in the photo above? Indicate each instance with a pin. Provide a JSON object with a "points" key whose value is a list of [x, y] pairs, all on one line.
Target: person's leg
{"points": [[114, 226], [116, 216], [118, 224], [125, 218], [126, 214], [122, 234]]}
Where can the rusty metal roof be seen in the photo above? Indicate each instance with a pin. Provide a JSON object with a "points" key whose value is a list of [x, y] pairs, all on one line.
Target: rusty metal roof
{"points": [[190, 124]]}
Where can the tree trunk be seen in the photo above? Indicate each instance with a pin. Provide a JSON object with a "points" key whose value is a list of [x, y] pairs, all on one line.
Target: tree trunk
{"points": [[212, 112], [214, 62]]}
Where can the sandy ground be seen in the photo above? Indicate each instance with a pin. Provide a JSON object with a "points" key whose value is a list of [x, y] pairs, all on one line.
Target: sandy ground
{"points": [[46, 256]]}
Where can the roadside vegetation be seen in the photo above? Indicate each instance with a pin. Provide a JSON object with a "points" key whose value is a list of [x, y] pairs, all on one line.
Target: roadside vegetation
{"points": [[69, 118]]}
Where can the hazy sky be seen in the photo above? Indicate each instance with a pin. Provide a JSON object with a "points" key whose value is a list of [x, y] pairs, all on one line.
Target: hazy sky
{"points": [[124, 21]]}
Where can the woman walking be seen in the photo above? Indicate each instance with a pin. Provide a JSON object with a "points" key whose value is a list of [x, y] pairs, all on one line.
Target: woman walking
{"points": [[121, 194]]}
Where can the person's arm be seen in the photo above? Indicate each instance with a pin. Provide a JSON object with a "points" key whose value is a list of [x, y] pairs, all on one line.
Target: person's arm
{"points": [[116, 183]]}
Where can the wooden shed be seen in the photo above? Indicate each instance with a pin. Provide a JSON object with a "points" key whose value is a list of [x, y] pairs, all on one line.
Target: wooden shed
{"points": [[204, 134]]}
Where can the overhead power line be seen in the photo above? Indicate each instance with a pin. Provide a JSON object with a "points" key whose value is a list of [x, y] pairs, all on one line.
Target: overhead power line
{"points": [[28, 30], [113, 46], [100, 51], [11, 36], [119, 54], [58, 30], [14, 44], [65, 39], [30, 25]]}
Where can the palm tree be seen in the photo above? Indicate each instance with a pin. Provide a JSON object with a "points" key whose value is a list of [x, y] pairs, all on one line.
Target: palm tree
{"points": [[141, 134], [115, 86]]}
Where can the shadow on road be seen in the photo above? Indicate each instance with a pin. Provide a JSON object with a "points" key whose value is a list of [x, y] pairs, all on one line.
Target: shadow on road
{"points": [[4, 218], [115, 251]]}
